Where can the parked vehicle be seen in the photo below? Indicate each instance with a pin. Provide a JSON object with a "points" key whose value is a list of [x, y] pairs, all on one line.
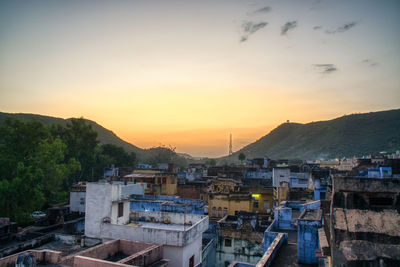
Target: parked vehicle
{"points": [[38, 214]]}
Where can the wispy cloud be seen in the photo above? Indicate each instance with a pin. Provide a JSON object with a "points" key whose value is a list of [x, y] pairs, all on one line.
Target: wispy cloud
{"points": [[345, 27], [263, 10], [316, 28], [370, 62], [250, 27], [326, 68], [290, 25]]}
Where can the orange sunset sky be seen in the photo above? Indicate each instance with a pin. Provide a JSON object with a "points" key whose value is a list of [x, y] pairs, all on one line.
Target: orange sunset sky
{"points": [[188, 73]]}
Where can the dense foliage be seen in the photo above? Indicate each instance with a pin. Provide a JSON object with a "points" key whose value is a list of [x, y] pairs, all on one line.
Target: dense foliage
{"points": [[38, 164]]}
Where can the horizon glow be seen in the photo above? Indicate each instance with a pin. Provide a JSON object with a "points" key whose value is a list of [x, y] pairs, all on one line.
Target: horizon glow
{"points": [[189, 73]]}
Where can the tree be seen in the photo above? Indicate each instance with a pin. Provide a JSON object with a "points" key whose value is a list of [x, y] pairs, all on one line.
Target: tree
{"points": [[108, 154], [164, 154], [242, 157], [33, 168], [81, 141], [118, 155]]}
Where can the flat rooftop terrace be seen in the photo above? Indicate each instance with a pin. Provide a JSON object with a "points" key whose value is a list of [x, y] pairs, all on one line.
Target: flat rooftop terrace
{"points": [[160, 226]]}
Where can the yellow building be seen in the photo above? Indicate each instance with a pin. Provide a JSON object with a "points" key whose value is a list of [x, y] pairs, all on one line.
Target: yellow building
{"points": [[262, 198], [245, 198], [158, 183], [220, 204]]}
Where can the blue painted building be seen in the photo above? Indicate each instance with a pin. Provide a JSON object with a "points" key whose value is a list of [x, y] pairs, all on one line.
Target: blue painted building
{"points": [[320, 187], [166, 204], [385, 172], [307, 235]]}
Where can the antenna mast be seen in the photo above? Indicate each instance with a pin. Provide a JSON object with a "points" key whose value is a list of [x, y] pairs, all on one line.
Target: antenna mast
{"points": [[230, 145]]}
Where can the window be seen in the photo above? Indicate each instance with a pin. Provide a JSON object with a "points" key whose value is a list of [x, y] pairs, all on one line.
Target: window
{"points": [[266, 205], [225, 211], [228, 242], [255, 204], [191, 261], [120, 209], [219, 212], [214, 213]]}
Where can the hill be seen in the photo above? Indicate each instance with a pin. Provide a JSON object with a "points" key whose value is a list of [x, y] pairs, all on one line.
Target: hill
{"points": [[347, 136], [105, 136]]}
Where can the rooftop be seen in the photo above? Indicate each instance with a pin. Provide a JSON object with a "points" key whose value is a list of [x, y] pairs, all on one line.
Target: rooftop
{"points": [[311, 215], [160, 226], [364, 185], [385, 222]]}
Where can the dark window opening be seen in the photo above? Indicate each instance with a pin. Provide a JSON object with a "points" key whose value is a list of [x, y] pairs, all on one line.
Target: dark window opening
{"points": [[380, 201], [120, 209], [255, 204], [191, 261], [228, 242]]}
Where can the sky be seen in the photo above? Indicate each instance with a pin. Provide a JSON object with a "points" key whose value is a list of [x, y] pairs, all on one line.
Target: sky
{"points": [[187, 73]]}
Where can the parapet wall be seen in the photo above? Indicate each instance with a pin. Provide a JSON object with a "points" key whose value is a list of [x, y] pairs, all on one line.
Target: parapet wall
{"points": [[42, 256]]}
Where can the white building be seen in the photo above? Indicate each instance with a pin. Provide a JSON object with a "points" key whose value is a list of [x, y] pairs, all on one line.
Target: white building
{"points": [[77, 198], [108, 217], [299, 179], [280, 174]]}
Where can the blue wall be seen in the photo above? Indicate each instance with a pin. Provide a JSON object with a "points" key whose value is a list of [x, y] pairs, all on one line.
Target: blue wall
{"points": [[167, 204], [307, 241]]}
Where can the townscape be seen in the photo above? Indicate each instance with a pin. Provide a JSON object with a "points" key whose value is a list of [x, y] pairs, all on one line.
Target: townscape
{"points": [[261, 212], [200, 133]]}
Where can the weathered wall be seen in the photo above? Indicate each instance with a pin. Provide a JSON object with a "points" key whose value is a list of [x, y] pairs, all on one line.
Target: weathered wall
{"points": [[240, 250], [45, 256], [77, 201], [280, 175], [90, 262], [114, 213], [223, 202], [145, 257], [272, 250], [98, 207], [308, 241]]}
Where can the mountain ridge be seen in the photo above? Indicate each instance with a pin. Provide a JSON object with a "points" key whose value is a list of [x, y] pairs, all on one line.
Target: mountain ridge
{"points": [[105, 136], [350, 135], [356, 134]]}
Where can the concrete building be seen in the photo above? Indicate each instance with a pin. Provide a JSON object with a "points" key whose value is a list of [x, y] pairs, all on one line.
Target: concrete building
{"points": [[362, 224], [222, 204], [167, 204], [158, 182], [319, 181], [299, 180], [114, 253], [279, 175], [194, 190], [77, 198], [239, 239], [307, 239], [108, 217]]}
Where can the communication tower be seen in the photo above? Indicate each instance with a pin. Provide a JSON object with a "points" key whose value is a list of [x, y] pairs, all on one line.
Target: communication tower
{"points": [[230, 145]]}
